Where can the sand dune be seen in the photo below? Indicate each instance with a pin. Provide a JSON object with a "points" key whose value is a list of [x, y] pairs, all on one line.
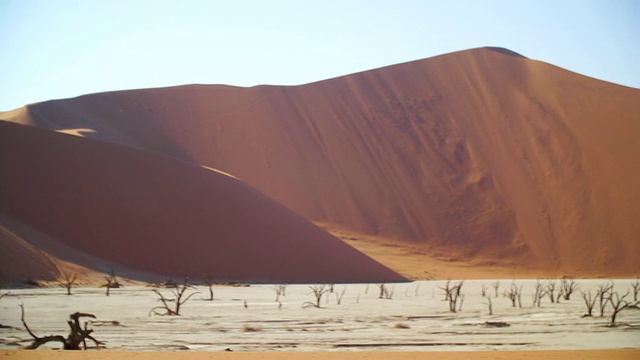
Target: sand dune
{"points": [[160, 215], [481, 155]]}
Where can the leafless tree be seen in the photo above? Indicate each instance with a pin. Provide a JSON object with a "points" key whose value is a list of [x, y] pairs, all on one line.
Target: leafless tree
{"points": [[617, 304], [589, 301], [318, 292], [340, 295], [68, 280], [171, 305], [446, 290], [77, 334], [208, 281], [514, 294], [453, 294], [112, 282], [496, 288], [281, 290], [385, 291], [550, 289], [538, 293], [603, 294], [636, 289], [568, 286], [485, 295]]}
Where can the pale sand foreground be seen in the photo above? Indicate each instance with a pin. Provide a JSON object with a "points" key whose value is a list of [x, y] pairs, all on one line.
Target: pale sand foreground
{"points": [[499, 355]]}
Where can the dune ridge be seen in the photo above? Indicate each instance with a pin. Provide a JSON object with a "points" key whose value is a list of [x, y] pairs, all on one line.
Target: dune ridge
{"points": [[481, 154]]}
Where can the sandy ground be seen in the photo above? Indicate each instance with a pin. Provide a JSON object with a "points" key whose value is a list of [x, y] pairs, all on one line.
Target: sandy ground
{"points": [[502, 355], [250, 319], [418, 261]]}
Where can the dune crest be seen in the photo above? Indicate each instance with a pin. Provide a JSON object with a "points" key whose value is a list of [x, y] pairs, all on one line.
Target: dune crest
{"points": [[481, 154]]}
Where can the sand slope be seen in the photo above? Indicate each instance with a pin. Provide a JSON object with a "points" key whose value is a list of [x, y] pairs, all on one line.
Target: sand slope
{"points": [[161, 215], [480, 155]]}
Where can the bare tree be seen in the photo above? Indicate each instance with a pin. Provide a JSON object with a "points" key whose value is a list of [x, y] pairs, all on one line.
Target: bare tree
{"points": [[485, 295], [550, 289], [77, 334], [446, 290], [280, 290], [340, 295], [318, 291], [603, 294], [112, 282], [568, 286], [617, 304], [177, 299], [636, 289], [589, 301], [68, 280], [454, 295], [539, 293], [514, 294], [385, 291], [496, 288], [208, 281]]}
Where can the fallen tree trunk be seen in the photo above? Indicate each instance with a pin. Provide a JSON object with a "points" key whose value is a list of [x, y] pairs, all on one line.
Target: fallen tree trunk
{"points": [[77, 334]]}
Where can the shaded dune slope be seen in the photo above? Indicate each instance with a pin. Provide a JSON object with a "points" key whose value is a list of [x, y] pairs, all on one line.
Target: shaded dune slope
{"points": [[161, 215], [483, 154]]}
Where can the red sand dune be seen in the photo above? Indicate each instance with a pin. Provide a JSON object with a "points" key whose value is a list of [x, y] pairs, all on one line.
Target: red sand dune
{"points": [[157, 214], [481, 154]]}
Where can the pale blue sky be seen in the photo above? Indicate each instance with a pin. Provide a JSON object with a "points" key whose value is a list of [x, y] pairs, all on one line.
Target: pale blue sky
{"points": [[60, 48]]}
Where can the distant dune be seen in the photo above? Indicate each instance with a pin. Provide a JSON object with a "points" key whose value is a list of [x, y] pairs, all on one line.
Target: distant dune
{"points": [[482, 156], [158, 215]]}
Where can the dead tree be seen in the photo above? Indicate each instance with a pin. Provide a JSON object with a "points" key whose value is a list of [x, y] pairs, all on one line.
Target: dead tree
{"points": [[446, 290], [77, 334], [340, 295], [112, 282], [538, 293], [636, 289], [589, 301], [496, 288], [318, 291], [68, 279], [171, 305], [514, 294], [454, 295], [550, 289], [280, 290], [603, 294], [385, 292], [617, 304], [209, 282], [485, 295], [568, 286]]}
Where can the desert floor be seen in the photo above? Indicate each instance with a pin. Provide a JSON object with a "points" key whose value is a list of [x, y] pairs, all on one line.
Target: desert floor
{"points": [[415, 319], [475, 355]]}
